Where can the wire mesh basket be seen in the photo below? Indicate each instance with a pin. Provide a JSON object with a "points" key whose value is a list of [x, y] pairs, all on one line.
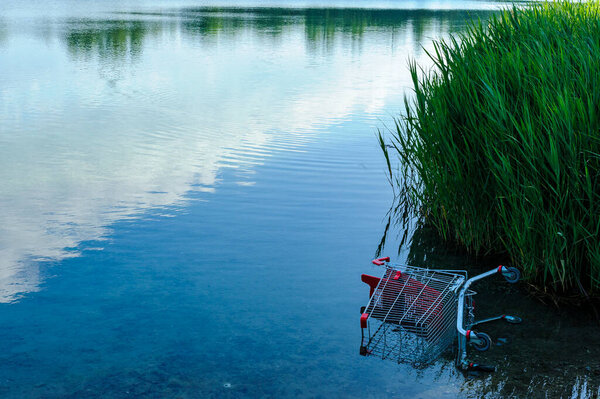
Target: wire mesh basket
{"points": [[412, 314]]}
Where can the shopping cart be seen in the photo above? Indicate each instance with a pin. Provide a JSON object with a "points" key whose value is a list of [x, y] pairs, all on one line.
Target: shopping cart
{"points": [[415, 313]]}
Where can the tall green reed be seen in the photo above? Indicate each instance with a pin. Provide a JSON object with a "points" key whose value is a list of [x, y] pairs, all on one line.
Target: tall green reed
{"points": [[500, 145]]}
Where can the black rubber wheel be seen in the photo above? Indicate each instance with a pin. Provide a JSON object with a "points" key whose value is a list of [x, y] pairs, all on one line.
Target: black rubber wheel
{"points": [[485, 344], [513, 275]]}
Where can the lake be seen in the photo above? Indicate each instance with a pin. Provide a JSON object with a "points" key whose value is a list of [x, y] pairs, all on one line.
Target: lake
{"points": [[191, 190]]}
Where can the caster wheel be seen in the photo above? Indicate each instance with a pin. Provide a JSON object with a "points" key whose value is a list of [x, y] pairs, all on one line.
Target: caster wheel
{"points": [[512, 275], [485, 344]]}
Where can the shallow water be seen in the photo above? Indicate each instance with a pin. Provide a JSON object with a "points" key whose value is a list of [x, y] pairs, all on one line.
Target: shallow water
{"points": [[191, 192]]}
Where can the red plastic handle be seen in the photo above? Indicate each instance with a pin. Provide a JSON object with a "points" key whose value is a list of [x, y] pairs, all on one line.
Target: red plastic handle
{"points": [[380, 261], [363, 320], [372, 281]]}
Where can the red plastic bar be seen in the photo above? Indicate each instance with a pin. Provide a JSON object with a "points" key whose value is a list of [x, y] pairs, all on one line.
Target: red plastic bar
{"points": [[380, 261]]}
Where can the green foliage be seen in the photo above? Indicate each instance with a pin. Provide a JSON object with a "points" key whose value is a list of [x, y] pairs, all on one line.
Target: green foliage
{"points": [[500, 145]]}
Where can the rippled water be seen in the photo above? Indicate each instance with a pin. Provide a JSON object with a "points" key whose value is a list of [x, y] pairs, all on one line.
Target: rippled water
{"points": [[190, 193]]}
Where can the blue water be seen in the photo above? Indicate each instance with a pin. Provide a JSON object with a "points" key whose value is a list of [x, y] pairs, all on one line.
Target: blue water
{"points": [[192, 190], [236, 287]]}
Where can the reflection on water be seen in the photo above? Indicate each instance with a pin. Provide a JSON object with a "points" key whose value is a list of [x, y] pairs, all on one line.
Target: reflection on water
{"points": [[121, 38], [3, 32], [110, 40], [144, 107]]}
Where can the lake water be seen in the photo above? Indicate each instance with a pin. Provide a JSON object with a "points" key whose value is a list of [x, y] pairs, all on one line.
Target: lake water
{"points": [[191, 190]]}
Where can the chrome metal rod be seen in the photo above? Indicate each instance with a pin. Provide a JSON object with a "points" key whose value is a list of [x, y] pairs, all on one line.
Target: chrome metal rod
{"points": [[488, 320], [461, 299]]}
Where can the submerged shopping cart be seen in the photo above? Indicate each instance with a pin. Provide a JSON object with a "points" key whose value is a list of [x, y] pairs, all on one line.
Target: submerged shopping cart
{"points": [[414, 314]]}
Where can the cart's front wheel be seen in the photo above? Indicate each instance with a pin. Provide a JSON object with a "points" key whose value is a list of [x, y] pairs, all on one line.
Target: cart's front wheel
{"points": [[485, 342]]}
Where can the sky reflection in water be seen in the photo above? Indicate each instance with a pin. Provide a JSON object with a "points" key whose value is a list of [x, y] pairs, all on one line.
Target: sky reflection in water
{"points": [[103, 118]]}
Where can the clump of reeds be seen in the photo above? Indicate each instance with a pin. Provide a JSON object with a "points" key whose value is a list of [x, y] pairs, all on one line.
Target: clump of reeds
{"points": [[500, 144]]}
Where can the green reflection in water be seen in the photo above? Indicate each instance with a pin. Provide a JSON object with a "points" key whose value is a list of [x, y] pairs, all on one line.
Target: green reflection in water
{"points": [[109, 39], [124, 38], [3, 31], [322, 23]]}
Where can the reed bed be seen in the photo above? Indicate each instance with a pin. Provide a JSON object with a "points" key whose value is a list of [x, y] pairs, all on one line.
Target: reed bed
{"points": [[500, 144]]}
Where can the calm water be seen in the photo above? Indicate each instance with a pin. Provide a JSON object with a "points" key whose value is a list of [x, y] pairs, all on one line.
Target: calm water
{"points": [[191, 191]]}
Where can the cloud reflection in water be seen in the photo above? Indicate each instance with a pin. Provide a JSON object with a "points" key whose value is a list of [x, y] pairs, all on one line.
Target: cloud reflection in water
{"points": [[105, 118]]}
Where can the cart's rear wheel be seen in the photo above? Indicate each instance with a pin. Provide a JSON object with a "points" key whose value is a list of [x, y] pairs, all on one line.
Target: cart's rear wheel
{"points": [[512, 275], [485, 344]]}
